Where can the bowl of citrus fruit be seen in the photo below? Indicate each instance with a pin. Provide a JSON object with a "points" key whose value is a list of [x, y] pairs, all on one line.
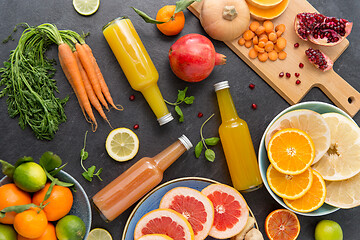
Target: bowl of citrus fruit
{"points": [[309, 159], [36, 204]]}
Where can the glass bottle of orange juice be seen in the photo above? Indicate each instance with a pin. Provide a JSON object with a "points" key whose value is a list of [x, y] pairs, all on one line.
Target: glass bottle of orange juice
{"points": [[136, 181], [136, 64], [236, 141]]}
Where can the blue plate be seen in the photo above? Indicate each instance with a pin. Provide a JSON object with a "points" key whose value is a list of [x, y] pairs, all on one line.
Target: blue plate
{"points": [[81, 205], [264, 163], [152, 200]]}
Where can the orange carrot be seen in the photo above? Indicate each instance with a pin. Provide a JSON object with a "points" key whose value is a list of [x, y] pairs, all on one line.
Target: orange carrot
{"points": [[70, 67], [89, 90], [90, 71], [104, 87]]}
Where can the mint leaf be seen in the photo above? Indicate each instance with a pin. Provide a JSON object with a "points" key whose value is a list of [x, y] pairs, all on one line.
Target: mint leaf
{"points": [[91, 171], [146, 17], [84, 154], [86, 176], [189, 100], [180, 113], [181, 95], [198, 149], [212, 141], [210, 155]]}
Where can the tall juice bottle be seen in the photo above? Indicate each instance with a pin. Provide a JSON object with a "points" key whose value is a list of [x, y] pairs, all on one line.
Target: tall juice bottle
{"points": [[136, 64], [236, 141], [136, 181]]}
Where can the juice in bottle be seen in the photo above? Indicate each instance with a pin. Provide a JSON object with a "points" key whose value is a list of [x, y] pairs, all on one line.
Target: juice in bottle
{"points": [[136, 181], [136, 64], [236, 141]]}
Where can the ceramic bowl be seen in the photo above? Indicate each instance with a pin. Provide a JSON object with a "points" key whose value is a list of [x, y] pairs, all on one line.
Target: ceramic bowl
{"points": [[319, 107], [81, 205]]}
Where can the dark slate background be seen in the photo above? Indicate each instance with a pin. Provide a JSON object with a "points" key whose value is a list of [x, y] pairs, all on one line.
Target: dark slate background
{"points": [[68, 141]]}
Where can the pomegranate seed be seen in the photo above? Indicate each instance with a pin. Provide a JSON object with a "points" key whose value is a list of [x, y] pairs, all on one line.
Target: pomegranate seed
{"points": [[136, 126], [281, 74], [254, 106], [298, 82], [200, 115], [251, 86], [297, 75], [296, 45], [301, 65], [288, 75], [132, 97]]}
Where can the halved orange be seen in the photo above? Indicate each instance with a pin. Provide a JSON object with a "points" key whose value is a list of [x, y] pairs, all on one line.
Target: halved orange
{"points": [[313, 199], [289, 186], [291, 151], [282, 224]]}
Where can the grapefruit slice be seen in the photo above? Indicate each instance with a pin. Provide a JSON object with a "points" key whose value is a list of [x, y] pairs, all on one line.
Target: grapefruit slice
{"points": [[155, 237], [194, 206], [231, 210], [282, 224], [164, 221]]}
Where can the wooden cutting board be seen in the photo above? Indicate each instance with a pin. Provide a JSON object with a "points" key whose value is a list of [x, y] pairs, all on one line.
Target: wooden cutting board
{"points": [[335, 87]]}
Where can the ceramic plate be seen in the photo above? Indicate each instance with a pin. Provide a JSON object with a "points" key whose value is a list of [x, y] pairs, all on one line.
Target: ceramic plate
{"points": [[319, 107], [152, 200]]}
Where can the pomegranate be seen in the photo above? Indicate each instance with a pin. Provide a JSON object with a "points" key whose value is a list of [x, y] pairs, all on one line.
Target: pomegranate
{"points": [[193, 57], [321, 30], [319, 59]]}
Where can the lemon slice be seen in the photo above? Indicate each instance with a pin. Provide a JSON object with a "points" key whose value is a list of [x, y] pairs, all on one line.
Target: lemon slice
{"points": [[310, 122], [86, 7], [99, 234], [122, 144]]}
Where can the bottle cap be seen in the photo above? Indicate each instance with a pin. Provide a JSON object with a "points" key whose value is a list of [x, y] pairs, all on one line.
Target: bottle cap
{"points": [[165, 119], [186, 142], [221, 85]]}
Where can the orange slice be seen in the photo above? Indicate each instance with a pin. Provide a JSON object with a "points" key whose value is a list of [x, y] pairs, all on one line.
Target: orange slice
{"points": [[289, 186], [313, 199], [291, 151], [282, 224]]}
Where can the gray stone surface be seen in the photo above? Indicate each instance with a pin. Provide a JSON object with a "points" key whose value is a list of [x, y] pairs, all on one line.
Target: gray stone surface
{"points": [[68, 140]]}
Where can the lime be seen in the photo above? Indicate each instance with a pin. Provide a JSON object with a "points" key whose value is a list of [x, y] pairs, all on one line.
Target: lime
{"points": [[86, 7], [328, 230], [99, 234], [70, 227], [30, 177], [7, 232], [122, 144]]}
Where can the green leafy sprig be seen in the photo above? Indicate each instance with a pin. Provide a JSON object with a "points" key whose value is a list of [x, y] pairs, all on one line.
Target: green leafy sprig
{"points": [[180, 99], [180, 6], [209, 154], [89, 173]]}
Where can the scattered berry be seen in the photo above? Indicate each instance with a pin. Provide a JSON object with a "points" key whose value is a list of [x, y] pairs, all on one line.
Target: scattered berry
{"points": [[254, 106], [200, 115], [298, 82], [301, 65], [296, 45], [132, 97], [281, 74], [297, 75], [251, 86], [136, 126], [288, 75]]}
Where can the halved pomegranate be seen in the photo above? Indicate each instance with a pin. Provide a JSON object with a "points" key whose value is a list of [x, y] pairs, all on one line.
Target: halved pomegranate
{"points": [[322, 30], [319, 59]]}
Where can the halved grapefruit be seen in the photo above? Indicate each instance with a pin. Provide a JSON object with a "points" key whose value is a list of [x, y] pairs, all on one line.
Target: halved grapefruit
{"points": [[164, 221], [155, 237], [231, 210], [194, 206]]}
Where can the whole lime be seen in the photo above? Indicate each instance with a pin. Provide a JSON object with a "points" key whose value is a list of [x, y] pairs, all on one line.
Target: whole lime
{"points": [[70, 227], [328, 230], [30, 177], [7, 232]]}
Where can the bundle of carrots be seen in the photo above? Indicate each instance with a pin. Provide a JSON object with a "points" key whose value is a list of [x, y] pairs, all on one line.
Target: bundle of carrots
{"points": [[82, 71]]}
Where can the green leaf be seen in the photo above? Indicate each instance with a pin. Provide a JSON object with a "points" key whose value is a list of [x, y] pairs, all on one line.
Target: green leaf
{"points": [[181, 95], [183, 4], [48, 192], [56, 171], [198, 149], [50, 161], [7, 169], [98, 173], [210, 155], [86, 176], [212, 141], [146, 17], [59, 183], [23, 160], [17, 209], [84, 154], [180, 113], [91, 171], [189, 100]]}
